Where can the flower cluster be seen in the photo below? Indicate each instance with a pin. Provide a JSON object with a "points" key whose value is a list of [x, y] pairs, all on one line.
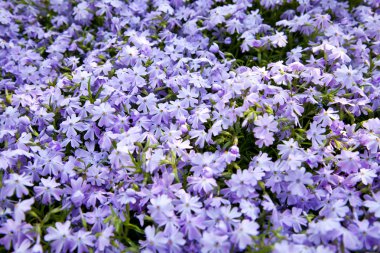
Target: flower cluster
{"points": [[190, 126]]}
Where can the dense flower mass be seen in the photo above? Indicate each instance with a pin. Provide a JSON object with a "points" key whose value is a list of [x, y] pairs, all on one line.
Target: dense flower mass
{"points": [[190, 126]]}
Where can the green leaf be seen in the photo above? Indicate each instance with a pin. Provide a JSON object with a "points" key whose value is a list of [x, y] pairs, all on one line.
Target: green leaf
{"points": [[265, 249], [50, 213], [89, 91]]}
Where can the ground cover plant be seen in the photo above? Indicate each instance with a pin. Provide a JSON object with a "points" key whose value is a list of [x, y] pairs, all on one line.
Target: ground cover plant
{"points": [[189, 126]]}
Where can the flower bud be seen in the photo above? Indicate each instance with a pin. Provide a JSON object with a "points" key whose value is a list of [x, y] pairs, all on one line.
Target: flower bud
{"points": [[214, 48]]}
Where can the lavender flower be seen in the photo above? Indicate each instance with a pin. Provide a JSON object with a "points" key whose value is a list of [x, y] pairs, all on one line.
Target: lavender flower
{"points": [[194, 126], [60, 236]]}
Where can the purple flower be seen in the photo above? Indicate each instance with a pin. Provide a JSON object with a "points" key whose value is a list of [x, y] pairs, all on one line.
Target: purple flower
{"points": [[199, 116], [335, 208], [82, 12], [96, 218], [265, 126], [349, 161], [189, 96], [175, 241], [24, 246], [279, 39], [288, 148], [146, 103], [242, 235], [316, 134], [199, 184], [187, 204], [14, 231], [350, 239], [47, 190], [368, 233], [242, 183], [347, 76], [161, 207], [154, 241], [297, 180], [139, 116], [97, 175], [103, 239], [17, 183], [103, 113], [339, 53], [60, 236], [82, 240], [214, 243], [325, 118], [366, 176], [21, 208], [77, 191], [71, 125], [373, 205]]}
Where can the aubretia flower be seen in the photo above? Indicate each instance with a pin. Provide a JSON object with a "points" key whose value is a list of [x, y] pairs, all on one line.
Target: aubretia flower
{"points": [[189, 96], [279, 39], [161, 207], [349, 161], [242, 183], [244, 232], [373, 205], [200, 184], [103, 113], [82, 240], [366, 176], [175, 241], [188, 204], [297, 180], [265, 126], [315, 134], [154, 241], [71, 125], [288, 148], [21, 208], [47, 190], [335, 209], [17, 183], [347, 76], [148, 116], [146, 103], [77, 191], [60, 236], [103, 240], [214, 243], [325, 118], [24, 246]]}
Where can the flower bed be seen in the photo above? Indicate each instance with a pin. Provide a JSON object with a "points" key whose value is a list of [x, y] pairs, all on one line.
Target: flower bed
{"points": [[190, 126]]}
